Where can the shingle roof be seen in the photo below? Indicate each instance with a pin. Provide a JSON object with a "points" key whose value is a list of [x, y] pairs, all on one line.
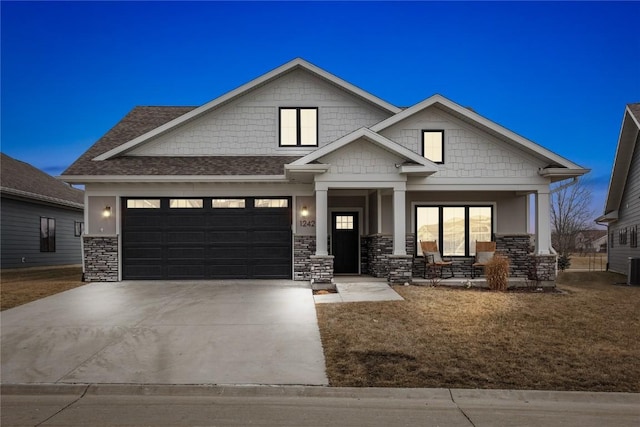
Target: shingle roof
{"points": [[21, 179], [635, 110], [141, 120]]}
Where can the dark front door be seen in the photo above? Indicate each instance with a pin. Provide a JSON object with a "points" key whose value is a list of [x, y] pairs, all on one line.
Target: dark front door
{"points": [[345, 242]]}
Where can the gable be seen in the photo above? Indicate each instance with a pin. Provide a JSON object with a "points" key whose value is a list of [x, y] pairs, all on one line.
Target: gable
{"points": [[249, 125], [362, 157], [469, 151]]}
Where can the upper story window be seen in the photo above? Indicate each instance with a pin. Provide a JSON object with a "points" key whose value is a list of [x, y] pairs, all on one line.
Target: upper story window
{"points": [[298, 127], [433, 145]]}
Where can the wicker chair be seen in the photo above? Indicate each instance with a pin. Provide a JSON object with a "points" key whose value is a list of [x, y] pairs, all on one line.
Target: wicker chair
{"points": [[433, 261], [484, 254]]}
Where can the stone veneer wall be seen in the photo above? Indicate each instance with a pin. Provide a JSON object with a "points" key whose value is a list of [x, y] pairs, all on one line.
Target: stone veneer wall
{"points": [[400, 269], [303, 248], [517, 247], [100, 258], [321, 268], [379, 247]]}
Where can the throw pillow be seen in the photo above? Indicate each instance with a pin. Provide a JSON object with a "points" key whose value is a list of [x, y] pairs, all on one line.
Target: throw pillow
{"points": [[433, 257], [484, 257]]}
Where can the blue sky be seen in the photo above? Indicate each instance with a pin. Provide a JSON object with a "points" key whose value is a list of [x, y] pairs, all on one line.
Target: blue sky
{"points": [[558, 73]]}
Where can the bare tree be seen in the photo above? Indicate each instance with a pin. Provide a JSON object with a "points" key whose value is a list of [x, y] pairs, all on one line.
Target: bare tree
{"points": [[570, 213]]}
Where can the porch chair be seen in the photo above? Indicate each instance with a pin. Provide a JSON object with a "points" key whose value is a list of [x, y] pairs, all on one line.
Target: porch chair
{"points": [[433, 260], [484, 254]]}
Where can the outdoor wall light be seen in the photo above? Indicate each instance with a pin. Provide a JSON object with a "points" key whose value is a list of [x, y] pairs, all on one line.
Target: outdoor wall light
{"points": [[106, 213], [304, 211]]}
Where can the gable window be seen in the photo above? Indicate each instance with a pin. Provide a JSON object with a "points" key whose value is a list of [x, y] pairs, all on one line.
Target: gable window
{"points": [[47, 234], [455, 228], [298, 127], [433, 145]]}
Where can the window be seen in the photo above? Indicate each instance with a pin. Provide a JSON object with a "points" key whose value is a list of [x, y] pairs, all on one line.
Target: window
{"points": [[344, 222], [634, 237], [271, 203], [143, 204], [622, 236], [455, 228], [78, 228], [227, 203], [433, 145], [298, 127], [185, 203], [47, 234]]}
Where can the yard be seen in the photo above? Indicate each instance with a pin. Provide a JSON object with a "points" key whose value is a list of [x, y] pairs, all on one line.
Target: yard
{"points": [[583, 339], [20, 286]]}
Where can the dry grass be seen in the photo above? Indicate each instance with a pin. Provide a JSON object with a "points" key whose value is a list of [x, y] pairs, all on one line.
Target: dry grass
{"points": [[21, 286], [585, 339]]}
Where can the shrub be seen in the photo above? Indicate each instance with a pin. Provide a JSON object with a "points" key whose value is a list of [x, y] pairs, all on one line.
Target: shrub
{"points": [[497, 272], [564, 262]]}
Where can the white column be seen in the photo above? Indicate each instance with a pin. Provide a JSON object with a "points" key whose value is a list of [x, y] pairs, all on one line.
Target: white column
{"points": [[399, 228], [543, 222], [321, 222]]}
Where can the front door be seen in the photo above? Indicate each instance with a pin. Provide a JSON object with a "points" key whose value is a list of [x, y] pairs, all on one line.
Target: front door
{"points": [[345, 242]]}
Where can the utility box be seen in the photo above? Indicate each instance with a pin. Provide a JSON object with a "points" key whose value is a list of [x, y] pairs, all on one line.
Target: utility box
{"points": [[633, 278]]}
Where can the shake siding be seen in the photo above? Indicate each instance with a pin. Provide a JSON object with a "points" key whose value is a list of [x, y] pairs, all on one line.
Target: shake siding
{"points": [[629, 215], [20, 228], [249, 125]]}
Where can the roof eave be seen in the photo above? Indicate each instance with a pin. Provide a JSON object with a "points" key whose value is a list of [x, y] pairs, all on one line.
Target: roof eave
{"points": [[90, 179], [25, 195], [559, 174]]}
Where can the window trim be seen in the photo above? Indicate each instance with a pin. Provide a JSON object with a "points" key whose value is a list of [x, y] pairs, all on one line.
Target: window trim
{"points": [[422, 134], [298, 127], [440, 206]]}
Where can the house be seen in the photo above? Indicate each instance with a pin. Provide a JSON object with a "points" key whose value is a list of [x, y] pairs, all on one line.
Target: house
{"points": [[591, 241], [622, 208], [42, 217], [299, 174]]}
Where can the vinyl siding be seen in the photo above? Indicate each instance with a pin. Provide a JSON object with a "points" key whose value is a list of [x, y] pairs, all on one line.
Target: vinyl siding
{"points": [[628, 215], [20, 234]]}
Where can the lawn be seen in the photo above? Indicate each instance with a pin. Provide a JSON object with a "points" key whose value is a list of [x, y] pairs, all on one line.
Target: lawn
{"points": [[586, 338], [21, 286]]}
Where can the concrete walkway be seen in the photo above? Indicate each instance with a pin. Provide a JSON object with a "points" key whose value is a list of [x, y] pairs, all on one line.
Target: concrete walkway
{"points": [[359, 289], [204, 332], [81, 405]]}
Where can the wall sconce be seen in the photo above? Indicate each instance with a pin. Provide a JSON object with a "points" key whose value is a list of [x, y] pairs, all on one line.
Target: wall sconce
{"points": [[106, 213], [304, 211]]}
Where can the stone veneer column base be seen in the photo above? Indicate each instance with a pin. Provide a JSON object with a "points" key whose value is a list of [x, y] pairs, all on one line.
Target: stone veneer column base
{"points": [[321, 269], [544, 269], [303, 248], [100, 258], [400, 269]]}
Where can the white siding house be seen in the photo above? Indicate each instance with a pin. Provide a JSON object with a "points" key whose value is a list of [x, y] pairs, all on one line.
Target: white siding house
{"points": [[299, 174]]}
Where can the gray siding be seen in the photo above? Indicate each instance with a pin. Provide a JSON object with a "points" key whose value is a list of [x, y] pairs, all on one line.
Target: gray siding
{"points": [[20, 228], [628, 216]]}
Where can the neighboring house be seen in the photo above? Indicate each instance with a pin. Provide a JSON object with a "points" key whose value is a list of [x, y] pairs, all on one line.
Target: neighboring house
{"points": [[591, 241], [42, 217], [300, 174], [622, 208]]}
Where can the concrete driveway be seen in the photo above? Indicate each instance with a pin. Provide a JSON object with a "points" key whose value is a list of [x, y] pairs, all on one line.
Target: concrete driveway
{"points": [[204, 332]]}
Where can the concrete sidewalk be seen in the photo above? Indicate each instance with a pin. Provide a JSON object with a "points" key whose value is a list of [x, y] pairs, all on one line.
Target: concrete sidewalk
{"points": [[134, 405]]}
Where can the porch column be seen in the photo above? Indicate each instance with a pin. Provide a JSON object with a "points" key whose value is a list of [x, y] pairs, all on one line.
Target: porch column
{"points": [[399, 218], [321, 222], [543, 222]]}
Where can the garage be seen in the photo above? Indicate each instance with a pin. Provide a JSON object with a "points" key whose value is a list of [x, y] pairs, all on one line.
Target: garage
{"points": [[206, 238]]}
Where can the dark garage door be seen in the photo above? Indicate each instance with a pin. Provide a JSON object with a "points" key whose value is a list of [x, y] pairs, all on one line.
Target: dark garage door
{"points": [[205, 238]]}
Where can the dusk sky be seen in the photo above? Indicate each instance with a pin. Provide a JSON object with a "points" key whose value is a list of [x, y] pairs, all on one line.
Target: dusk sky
{"points": [[557, 73]]}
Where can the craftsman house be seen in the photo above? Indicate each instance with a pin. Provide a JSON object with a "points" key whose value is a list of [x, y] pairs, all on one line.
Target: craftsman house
{"points": [[622, 208], [299, 174], [42, 218]]}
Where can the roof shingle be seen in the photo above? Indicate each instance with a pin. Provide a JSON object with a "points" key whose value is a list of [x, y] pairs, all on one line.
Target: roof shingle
{"points": [[22, 179], [141, 120]]}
